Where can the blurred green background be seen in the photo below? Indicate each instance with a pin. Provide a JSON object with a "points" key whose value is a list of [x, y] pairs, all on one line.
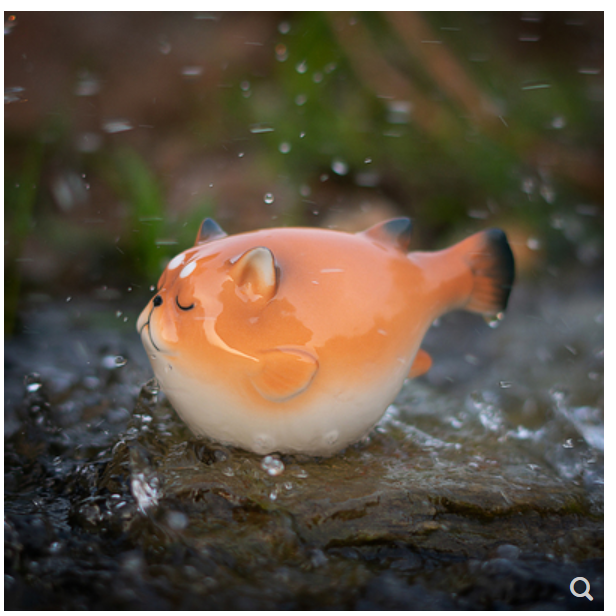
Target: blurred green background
{"points": [[124, 130]]}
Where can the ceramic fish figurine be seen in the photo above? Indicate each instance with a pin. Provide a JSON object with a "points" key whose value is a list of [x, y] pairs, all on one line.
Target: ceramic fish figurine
{"points": [[296, 340]]}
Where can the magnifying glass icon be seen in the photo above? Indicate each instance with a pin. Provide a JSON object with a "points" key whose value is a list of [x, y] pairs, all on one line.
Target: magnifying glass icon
{"points": [[581, 594]]}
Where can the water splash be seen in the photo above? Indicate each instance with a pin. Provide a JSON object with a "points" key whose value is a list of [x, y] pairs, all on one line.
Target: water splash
{"points": [[145, 485]]}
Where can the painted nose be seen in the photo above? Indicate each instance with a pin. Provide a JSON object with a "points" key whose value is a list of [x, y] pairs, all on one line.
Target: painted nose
{"points": [[157, 301]]}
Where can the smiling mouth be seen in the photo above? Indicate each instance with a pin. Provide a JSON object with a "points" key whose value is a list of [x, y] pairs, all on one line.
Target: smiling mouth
{"points": [[147, 324]]}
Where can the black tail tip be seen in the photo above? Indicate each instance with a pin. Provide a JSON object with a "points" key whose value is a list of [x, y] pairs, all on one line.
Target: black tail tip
{"points": [[503, 269]]}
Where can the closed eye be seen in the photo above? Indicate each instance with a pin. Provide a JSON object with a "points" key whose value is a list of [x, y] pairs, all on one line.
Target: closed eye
{"points": [[177, 301]]}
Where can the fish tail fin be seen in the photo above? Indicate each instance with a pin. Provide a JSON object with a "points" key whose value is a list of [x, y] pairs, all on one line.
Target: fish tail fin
{"points": [[489, 257]]}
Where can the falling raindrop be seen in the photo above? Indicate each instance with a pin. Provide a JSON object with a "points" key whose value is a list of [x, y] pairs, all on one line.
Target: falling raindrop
{"points": [[302, 67], [117, 126], [300, 99], [261, 127], [568, 444], [367, 160], [317, 77], [284, 27], [268, 198], [192, 71], [339, 166], [281, 52]]}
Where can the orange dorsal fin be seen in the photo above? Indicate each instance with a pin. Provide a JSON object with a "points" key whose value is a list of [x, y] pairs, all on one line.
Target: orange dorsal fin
{"points": [[395, 232], [286, 372], [255, 274], [208, 232], [421, 365]]}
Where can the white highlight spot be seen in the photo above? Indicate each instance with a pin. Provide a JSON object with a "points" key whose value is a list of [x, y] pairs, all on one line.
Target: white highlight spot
{"points": [[176, 261], [188, 270]]}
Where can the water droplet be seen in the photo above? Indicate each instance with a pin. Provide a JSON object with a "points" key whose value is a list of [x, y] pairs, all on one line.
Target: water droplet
{"points": [[548, 193], [568, 444], [33, 382], [151, 388], [304, 190], [261, 127], [177, 520], [398, 112], [302, 135], [272, 465], [284, 147], [13, 94], [559, 122], [245, 86], [281, 52], [268, 198], [494, 320], [111, 362], [339, 166], [68, 299], [192, 71], [533, 243], [88, 85], [116, 126], [240, 155], [302, 67]]}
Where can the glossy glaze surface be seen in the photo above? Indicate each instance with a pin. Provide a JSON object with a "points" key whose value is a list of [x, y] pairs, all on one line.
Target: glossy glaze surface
{"points": [[296, 339]]}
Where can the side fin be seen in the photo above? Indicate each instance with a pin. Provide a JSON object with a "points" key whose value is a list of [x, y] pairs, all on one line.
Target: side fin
{"points": [[208, 232], [255, 274], [421, 365], [395, 232], [286, 372], [491, 262]]}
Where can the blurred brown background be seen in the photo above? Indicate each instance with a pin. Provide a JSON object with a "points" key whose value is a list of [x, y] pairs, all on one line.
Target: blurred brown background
{"points": [[124, 130]]}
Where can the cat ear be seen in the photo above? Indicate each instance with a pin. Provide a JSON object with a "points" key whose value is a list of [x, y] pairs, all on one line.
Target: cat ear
{"points": [[395, 232], [255, 274], [208, 232]]}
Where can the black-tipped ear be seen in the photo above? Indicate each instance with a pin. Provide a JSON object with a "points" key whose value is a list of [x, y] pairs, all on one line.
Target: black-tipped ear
{"points": [[209, 231], [396, 232], [255, 274]]}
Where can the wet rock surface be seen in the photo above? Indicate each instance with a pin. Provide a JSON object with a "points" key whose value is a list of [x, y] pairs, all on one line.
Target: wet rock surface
{"points": [[481, 488]]}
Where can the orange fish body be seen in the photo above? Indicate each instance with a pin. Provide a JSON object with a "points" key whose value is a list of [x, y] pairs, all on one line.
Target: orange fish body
{"points": [[297, 340]]}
